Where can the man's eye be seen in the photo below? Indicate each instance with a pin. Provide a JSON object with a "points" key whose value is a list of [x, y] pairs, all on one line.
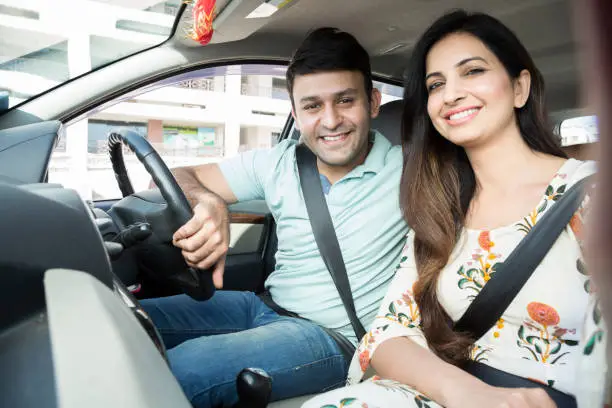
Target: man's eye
{"points": [[311, 106], [345, 100]]}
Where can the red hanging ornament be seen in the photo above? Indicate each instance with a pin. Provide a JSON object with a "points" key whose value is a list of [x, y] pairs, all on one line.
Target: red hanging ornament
{"points": [[203, 13]]}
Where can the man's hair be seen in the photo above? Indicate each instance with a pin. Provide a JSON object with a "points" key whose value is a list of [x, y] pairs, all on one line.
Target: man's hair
{"points": [[329, 49]]}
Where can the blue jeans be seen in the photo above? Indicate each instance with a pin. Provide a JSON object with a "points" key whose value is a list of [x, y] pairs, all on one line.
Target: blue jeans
{"points": [[210, 342]]}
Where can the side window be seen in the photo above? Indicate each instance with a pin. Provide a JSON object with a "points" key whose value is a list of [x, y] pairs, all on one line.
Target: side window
{"points": [[580, 137], [196, 118], [389, 92]]}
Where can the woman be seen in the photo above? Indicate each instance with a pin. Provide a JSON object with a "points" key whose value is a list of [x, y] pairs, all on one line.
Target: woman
{"points": [[481, 168]]}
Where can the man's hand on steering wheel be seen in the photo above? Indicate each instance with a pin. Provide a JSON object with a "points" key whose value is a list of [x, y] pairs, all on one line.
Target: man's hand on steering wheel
{"points": [[204, 239]]}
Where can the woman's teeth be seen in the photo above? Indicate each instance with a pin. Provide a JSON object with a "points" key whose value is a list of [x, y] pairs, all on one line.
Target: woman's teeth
{"points": [[462, 114]]}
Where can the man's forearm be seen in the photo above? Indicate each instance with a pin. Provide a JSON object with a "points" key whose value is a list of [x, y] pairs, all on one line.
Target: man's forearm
{"points": [[191, 186]]}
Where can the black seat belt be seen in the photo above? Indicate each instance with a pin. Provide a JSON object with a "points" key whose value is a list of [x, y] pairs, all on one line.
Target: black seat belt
{"points": [[511, 275], [324, 233]]}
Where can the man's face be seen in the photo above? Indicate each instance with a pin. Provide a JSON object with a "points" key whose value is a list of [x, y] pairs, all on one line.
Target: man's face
{"points": [[333, 114]]}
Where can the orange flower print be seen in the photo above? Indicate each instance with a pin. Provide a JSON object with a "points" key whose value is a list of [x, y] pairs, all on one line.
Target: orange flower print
{"points": [[543, 314], [541, 336], [576, 226], [484, 240], [364, 360]]}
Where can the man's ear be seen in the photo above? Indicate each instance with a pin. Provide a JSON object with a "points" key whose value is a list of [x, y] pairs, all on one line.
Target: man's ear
{"points": [[375, 102], [522, 88], [295, 120]]}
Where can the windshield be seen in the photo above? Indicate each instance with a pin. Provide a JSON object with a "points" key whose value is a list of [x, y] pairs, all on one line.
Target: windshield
{"points": [[44, 43]]}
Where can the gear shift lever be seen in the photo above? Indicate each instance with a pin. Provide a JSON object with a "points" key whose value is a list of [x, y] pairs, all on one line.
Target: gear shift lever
{"points": [[254, 387]]}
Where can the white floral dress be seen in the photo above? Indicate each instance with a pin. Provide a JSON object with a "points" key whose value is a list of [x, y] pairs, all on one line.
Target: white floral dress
{"points": [[537, 337]]}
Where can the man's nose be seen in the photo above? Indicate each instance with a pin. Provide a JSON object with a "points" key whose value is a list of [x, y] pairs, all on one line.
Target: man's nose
{"points": [[331, 118]]}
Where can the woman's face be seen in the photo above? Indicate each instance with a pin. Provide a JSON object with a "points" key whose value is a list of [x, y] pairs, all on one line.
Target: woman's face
{"points": [[471, 96]]}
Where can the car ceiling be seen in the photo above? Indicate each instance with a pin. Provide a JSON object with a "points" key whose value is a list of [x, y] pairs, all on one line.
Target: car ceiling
{"points": [[389, 28]]}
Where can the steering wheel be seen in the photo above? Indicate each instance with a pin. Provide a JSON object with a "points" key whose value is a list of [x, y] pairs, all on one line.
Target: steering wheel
{"points": [[194, 282]]}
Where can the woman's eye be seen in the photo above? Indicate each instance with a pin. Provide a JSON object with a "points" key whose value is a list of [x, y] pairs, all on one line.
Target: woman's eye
{"points": [[434, 85], [475, 71]]}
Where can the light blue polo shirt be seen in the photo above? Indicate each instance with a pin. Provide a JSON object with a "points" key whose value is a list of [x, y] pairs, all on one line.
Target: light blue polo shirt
{"points": [[364, 207]]}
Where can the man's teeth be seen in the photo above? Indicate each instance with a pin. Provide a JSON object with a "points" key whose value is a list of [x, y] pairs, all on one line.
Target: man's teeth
{"points": [[462, 114], [333, 138]]}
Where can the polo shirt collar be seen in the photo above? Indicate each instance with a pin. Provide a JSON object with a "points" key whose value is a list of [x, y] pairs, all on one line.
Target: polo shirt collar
{"points": [[375, 161]]}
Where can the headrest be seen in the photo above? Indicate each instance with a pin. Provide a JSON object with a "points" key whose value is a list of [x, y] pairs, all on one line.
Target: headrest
{"points": [[389, 121]]}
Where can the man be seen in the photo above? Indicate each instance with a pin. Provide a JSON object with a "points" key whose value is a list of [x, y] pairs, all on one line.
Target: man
{"points": [[333, 102]]}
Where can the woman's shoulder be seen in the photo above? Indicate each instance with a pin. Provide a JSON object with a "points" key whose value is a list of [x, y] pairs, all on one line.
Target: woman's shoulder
{"points": [[575, 170]]}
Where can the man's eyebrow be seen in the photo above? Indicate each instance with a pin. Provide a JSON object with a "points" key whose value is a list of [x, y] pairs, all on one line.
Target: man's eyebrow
{"points": [[344, 92], [309, 99], [347, 91], [457, 65]]}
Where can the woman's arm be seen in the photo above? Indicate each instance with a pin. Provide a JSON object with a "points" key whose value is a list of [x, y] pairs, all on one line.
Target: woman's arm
{"points": [[403, 360]]}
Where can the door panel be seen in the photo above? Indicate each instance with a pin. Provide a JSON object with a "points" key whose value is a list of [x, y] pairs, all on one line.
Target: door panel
{"points": [[250, 235], [245, 238]]}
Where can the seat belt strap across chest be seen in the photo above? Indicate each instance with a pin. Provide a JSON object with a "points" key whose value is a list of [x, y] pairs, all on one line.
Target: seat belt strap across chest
{"points": [[324, 232]]}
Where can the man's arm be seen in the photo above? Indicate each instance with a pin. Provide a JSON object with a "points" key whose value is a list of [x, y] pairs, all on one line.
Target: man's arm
{"points": [[209, 188], [199, 182], [204, 239]]}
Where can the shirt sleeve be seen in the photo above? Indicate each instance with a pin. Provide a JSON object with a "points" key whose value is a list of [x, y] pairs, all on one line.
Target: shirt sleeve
{"points": [[247, 173], [398, 315]]}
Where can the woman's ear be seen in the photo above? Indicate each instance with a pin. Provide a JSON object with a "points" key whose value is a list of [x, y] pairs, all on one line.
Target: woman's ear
{"points": [[522, 87]]}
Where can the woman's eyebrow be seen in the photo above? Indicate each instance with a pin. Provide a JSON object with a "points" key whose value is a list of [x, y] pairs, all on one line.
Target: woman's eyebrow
{"points": [[457, 65]]}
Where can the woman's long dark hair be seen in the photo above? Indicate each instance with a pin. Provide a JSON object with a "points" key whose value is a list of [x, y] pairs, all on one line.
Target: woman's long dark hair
{"points": [[438, 182]]}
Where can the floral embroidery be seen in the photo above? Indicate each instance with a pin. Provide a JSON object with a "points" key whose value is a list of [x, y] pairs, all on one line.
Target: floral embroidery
{"points": [[364, 350], [347, 402], [409, 305], [364, 360], [598, 335], [479, 353], [547, 338], [550, 195], [576, 228], [581, 267], [481, 268], [420, 400], [498, 326], [403, 311], [403, 259]]}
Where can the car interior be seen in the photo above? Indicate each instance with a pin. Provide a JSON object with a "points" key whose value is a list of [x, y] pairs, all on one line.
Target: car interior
{"points": [[72, 333]]}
